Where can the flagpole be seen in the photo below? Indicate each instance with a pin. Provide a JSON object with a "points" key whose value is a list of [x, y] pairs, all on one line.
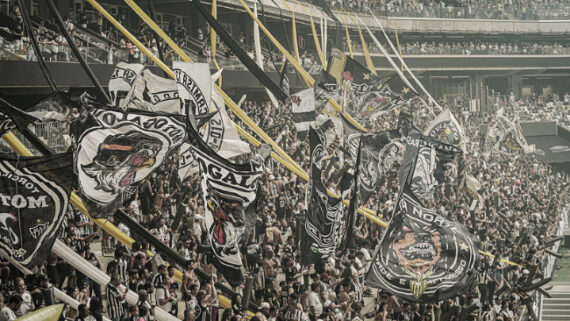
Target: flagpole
{"points": [[365, 50], [35, 47], [240, 113], [348, 42], [213, 40], [304, 74], [156, 38], [185, 57], [405, 65], [315, 38], [393, 64], [30, 136], [73, 46], [294, 32]]}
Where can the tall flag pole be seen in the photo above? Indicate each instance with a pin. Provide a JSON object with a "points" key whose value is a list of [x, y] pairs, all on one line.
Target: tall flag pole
{"points": [[73, 46], [315, 37], [240, 52], [213, 40], [293, 32], [406, 66], [35, 47], [347, 35], [393, 64], [259, 56], [309, 80], [367, 56]]}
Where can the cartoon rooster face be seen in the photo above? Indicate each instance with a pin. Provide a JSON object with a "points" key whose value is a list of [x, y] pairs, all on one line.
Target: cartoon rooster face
{"points": [[119, 158]]}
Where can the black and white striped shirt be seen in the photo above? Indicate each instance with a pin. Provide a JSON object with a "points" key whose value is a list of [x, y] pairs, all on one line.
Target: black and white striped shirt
{"points": [[122, 269], [115, 307]]}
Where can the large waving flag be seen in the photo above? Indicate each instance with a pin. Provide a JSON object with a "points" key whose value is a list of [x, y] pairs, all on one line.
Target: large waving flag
{"points": [[423, 257], [504, 136], [35, 196], [424, 163], [366, 95], [323, 227], [117, 149], [446, 129], [229, 191], [197, 92]]}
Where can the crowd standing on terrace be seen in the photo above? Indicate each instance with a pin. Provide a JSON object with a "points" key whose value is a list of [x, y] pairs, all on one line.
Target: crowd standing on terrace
{"points": [[462, 9], [522, 202]]}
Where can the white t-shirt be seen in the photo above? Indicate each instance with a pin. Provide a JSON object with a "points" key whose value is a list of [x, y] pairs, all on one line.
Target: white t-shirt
{"points": [[27, 304], [315, 301], [6, 314], [162, 293]]}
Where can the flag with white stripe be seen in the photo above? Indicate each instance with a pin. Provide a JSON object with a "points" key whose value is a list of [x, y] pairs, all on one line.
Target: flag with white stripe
{"points": [[228, 189], [303, 109]]}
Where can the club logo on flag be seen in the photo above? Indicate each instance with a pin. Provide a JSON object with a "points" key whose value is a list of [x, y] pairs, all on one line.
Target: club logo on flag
{"points": [[423, 257], [34, 196], [123, 150]]}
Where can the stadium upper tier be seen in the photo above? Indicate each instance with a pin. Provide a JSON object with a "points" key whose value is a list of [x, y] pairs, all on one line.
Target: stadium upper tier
{"points": [[441, 21]]}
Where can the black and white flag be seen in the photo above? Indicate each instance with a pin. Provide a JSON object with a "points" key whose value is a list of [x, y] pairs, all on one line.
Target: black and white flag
{"points": [[117, 149], [424, 163], [34, 196], [379, 152], [505, 136], [323, 227], [446, 129], [12, 118], [198, 94], [303, 110], [423, 257], [365, 94], [125, 84], [228, 190]]}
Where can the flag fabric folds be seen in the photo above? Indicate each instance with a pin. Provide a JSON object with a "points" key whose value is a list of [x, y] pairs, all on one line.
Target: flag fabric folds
{"points": [[504, 136], [424, 163], [423, 257], [13, 118], [446, 129], [34, 199], [378, 153], [134, 86], [228, 190], [124, 80], [323, 227], [303, 109], [354, 201], [197, 92], [366, 95], [117, 149]]}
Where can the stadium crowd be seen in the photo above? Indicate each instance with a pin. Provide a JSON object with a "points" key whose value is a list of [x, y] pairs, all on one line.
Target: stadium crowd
{"points": [[467, 9], [519, 209]]}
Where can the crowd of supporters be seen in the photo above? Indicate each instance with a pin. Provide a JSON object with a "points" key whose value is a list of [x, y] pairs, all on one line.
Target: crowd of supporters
{"points": [[521, 204], [482, 48], [468, 9]]}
